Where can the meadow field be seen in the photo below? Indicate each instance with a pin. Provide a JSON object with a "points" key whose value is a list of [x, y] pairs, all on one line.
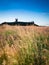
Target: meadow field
{"points": [[24, 45]]}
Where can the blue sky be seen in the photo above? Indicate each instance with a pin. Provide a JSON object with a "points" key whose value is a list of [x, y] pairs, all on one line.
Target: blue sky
{"points": [[25, 10]]}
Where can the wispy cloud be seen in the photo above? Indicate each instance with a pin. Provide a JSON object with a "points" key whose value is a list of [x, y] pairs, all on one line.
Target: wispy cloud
{"points": [[39, 18]]}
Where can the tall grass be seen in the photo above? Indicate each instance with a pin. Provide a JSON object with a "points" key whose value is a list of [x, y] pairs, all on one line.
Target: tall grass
{"points": [[30, 48]]}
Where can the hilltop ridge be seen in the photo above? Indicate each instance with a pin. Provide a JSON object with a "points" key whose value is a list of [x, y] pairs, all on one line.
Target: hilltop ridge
{"points": [[16, 22]]}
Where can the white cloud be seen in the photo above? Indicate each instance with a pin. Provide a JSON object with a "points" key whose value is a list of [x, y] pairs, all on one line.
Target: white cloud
{"points": [[39, 18]]}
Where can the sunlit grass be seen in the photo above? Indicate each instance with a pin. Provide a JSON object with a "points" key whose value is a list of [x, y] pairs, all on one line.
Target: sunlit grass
{"points": [[24, 46]]}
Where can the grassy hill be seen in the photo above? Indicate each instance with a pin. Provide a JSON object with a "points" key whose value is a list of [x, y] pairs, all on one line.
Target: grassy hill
{"points": [[24, 45]]}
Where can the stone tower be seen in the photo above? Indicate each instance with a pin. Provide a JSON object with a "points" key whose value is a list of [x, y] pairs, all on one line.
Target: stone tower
{"points": [[16, 20]]}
